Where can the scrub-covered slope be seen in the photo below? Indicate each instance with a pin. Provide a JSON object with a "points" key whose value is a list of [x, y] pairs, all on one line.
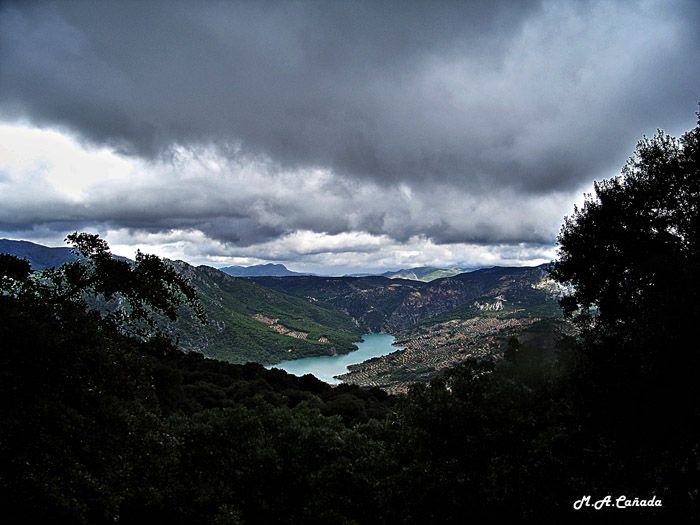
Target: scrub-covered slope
{"points": [[247, 322]]}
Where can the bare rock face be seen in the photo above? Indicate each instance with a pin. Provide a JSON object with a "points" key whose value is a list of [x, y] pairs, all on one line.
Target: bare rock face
{"points": [[265, 320]]}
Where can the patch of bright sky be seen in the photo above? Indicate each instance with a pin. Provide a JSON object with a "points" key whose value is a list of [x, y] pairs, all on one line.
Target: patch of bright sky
{"points": [[67, 166]]}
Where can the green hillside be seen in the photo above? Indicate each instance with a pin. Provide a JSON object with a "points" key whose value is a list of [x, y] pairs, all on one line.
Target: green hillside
{"points": [[233, 334]]}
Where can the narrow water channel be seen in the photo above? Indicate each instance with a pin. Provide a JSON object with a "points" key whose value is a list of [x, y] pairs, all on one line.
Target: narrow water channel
{"points": [[327, 366]]}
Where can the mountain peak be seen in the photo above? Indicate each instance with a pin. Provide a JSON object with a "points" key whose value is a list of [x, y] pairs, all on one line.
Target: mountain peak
{"points": [[260, 270]]}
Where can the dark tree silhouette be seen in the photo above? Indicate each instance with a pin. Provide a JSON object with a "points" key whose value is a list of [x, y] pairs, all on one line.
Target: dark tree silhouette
{"points": [[75, 390], [147, 286], [631, 254]]}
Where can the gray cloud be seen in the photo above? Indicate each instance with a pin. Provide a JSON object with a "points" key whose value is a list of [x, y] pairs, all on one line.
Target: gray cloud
{"points": [[459, 122], [532, 95], [246, 204]]}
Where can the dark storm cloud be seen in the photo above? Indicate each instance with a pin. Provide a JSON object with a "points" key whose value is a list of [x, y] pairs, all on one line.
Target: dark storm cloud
{"points": [[475, 93], [301, 83], [459, 122]]}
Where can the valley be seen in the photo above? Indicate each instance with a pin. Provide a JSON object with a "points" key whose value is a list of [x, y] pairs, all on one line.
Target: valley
{"points": [[439, 323], [329, 368], [247, 322]]}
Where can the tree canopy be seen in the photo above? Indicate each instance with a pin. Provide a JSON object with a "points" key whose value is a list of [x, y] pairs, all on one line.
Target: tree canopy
{"points": [[138, 290], [631, 256]]}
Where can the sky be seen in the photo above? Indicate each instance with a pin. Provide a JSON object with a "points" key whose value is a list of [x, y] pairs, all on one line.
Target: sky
{"points": [[333, 137]]}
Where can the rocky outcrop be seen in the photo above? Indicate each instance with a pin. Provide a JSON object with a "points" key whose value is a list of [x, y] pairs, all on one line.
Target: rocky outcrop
{"points": [[265, 320], [489, 307]]}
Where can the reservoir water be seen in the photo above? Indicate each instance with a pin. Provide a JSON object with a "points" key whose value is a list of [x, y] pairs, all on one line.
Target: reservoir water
{"points": [[327, 366]]}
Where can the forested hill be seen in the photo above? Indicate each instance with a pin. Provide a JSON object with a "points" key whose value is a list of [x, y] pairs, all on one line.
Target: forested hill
{"points": [[248, 322], [381, 303]]}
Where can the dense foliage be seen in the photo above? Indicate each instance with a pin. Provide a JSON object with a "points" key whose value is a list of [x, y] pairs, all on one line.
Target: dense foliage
{"points": [[631, 255], [100, 425]]}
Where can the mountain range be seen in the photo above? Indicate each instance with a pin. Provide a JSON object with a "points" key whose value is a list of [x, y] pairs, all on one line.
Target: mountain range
{"points": [[420, 273], [268, 319], [390, 304]]}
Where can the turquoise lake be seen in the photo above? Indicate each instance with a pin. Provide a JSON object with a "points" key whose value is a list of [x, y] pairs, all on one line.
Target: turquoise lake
{"points": [[327, 366]]}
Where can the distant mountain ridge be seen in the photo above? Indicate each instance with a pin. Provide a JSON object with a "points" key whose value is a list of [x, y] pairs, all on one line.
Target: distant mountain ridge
{"points": [[418, 273], [40, 257], [390, 304], [260, 270]]}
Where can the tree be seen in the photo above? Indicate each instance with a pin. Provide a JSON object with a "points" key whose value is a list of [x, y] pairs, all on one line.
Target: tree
{"points": [[79, 431], [631, 256], [138, 291], [148, 286]]}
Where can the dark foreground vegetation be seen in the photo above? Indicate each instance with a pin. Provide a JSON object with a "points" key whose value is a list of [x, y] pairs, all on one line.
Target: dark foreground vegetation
{"points": [[103, 421]]}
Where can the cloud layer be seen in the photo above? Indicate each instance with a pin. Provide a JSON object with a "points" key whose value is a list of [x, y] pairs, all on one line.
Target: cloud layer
{"points": [[414, 124]]}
